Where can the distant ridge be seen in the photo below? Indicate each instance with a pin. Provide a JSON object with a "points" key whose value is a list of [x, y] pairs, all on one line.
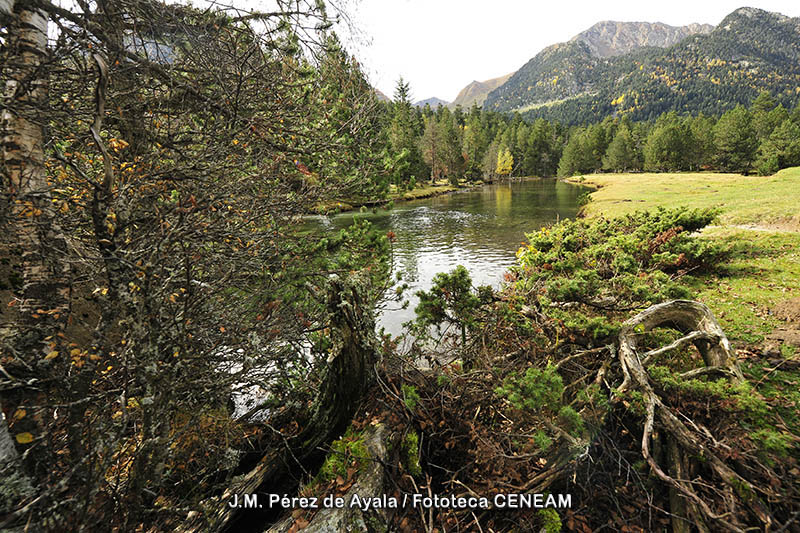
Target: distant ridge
{"points": [[477, 91], [382, 97], [610, 38], [433, 102], [636, 69]]}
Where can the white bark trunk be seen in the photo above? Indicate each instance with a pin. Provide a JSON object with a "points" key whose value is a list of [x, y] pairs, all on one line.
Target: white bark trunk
{"points": [[45, 285], [6, 7], [7, 450]]}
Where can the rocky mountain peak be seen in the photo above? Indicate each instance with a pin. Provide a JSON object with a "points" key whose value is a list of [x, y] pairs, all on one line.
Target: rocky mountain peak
{"points": [[610, 38]]}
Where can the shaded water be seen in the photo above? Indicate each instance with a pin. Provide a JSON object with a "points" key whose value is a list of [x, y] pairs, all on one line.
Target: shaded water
{"points": [[480, 229]]}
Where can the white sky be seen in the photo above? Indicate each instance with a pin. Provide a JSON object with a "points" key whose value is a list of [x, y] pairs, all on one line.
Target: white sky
{"points": [[439, 46]]}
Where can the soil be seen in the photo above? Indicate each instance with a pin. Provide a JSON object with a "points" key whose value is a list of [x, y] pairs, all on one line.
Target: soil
{"points": [[789, 312]]}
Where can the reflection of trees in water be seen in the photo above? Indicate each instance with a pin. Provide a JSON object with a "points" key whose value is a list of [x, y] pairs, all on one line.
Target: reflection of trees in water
{"points": [[502, 200], [479, 229], [487, 224]]}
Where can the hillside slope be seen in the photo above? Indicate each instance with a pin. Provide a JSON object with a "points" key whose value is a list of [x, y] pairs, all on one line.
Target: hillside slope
{"points": [[477, 91], [750, 51]]}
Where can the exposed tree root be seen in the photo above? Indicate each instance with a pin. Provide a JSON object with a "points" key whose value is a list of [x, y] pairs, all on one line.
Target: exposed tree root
{"points": [[697, 322], [706, 482]]}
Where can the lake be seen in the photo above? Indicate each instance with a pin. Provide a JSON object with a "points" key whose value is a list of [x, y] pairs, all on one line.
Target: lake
{"points": [[479, 228]]}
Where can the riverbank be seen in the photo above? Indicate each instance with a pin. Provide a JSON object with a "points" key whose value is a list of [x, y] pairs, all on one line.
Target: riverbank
{"points": [[427, 191]]}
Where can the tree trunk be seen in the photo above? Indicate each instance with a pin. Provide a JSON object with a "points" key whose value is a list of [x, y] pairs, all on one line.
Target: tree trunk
{"points": [[29, 218], [7, 450], [349, 375], [45, 291], [6, 7]]}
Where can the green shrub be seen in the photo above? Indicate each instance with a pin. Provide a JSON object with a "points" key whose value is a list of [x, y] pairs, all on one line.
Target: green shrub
{"points": [[551, 522], [410, 396], [542, 440], [410, 449], [620, 264], [344, 453], [535, 390]]}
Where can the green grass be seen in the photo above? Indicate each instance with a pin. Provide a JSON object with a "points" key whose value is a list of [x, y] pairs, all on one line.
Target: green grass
{"points": [[763, 271], [768, 201], [764, 267], [422, 192]]}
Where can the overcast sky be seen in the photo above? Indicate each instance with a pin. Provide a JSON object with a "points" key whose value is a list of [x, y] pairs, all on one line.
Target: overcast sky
{"points": [[439, 46]]}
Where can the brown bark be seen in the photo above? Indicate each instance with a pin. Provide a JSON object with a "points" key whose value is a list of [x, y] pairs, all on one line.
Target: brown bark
{"points": [[349, 374]]}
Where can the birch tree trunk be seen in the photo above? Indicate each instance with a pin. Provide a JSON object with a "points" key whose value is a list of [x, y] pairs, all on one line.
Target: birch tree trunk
{"points": [[45, 291], [6, 7], [28, 220], [7, 450]]}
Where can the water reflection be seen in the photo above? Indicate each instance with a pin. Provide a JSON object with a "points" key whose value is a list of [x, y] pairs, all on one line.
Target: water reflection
{"points": [[479, 229]]}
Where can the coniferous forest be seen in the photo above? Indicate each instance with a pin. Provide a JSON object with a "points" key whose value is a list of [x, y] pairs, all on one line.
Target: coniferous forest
{"points": [[179, 351]]}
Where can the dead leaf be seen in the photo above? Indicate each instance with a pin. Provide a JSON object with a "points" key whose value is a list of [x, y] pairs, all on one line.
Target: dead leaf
{"points": [[24, 438]]}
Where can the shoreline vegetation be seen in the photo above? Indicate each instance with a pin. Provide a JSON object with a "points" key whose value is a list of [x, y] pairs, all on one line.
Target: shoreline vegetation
{"points": [[172, 336], [439, 188], [428, 191]]}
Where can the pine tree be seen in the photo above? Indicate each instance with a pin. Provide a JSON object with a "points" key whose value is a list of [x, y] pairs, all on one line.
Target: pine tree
{"points": [[736, 141], [670, 144], [473, 144], [407, 162], [432, 147], [781, 150], [621, 155]]}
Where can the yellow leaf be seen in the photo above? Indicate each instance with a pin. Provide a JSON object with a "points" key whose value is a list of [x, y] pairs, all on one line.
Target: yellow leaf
{"points": [[19, 414], [75, 352], [24, 438], [51, 355]]}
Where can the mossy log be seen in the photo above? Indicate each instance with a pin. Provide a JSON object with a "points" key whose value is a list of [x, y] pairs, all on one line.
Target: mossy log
{"points": [[368, 485]]}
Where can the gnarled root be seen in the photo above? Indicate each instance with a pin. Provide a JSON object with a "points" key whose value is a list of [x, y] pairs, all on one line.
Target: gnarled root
{"points": [[696, 321]]}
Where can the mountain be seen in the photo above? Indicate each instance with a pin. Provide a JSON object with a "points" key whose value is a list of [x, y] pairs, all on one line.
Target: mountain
{"points": [[382, 97], [751, 50], [477, 91], [609, 38], [433, 102]]}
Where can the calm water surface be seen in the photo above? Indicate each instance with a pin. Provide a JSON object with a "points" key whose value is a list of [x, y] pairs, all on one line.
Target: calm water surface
{"points": [[480, 229]]}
